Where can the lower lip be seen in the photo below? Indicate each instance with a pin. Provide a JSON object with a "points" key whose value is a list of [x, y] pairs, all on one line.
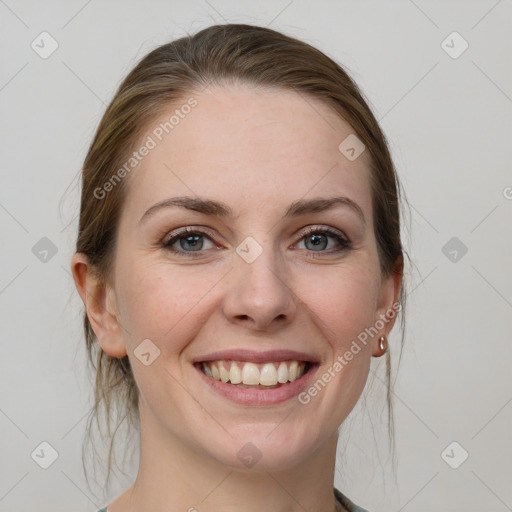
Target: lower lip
{"points": [[273, 396]]}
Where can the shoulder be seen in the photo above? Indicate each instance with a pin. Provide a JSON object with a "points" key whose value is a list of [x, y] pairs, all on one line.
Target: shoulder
{"points": [[349, 505]]}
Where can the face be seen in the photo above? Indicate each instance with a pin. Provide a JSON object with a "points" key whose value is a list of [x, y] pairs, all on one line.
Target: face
{"points": [[260, 278]]}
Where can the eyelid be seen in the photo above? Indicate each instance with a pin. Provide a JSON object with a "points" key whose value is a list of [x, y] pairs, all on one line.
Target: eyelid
{"points": [[343, 241], [192, 229], [325, 229]]}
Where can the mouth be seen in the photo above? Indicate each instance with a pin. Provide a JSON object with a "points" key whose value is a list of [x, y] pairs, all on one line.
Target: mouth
{"points": [[257, 378], [261, 379], [250, 375]]}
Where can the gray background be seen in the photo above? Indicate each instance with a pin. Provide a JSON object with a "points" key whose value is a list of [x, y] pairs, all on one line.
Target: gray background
{"points": [[448, 123]]}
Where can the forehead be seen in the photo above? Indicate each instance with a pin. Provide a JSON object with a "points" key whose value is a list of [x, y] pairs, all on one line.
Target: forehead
{"points": [[248, 146]]}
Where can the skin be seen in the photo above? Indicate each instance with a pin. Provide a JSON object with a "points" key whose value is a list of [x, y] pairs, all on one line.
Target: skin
{"points": [[257, 151]]}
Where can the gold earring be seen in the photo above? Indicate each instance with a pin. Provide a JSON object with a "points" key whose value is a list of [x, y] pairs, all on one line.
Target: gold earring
{"points": [[383, 344]]}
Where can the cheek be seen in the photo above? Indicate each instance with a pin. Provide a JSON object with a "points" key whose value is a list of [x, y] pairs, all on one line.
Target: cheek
{"points": [[344, 303], [163, 305]]}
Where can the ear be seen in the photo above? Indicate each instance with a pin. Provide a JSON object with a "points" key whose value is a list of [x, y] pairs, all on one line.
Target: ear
{"points": [[388, 300], [100, 303]]}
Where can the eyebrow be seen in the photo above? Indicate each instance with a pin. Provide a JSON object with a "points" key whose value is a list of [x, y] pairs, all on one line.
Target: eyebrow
{"points": [[219, 209]]}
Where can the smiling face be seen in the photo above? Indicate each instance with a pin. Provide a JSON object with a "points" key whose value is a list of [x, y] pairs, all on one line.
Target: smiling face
{"points": [[264, 270]]}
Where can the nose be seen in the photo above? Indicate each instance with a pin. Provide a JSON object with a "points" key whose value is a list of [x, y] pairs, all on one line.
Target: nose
{"points": [[259, 296]]}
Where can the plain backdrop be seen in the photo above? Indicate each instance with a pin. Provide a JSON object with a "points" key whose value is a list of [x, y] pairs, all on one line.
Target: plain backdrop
{"points": [[444, 100]]}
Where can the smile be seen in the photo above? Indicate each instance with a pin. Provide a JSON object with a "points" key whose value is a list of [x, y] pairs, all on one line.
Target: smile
{"points": [[259, 384], [256, 376]]}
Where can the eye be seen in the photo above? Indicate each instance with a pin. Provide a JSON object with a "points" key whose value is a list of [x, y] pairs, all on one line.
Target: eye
{"points": [[316, 239], [189, 241]]}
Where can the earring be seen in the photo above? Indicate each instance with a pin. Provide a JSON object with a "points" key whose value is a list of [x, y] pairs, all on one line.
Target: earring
{"points": [[383, 344]]}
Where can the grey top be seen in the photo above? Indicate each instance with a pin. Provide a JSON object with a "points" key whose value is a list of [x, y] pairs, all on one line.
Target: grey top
{"points": [[351, 507]]}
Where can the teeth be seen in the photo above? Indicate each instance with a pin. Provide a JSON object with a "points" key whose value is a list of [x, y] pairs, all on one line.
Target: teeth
{"points": [[235, 374], [282, 373], [224, 374], [250, 374], [292, 371], [267, 374]]}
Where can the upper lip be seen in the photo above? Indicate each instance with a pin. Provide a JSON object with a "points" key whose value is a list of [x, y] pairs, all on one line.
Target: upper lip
{"points": [[256, 357]]}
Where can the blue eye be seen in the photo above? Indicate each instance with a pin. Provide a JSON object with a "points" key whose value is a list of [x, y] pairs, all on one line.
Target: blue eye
{"points": [[191, 241], [319, 239]]}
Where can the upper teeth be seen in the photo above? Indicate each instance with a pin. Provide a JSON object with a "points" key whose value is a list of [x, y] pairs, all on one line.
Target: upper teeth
{"points": [[267, 374]]}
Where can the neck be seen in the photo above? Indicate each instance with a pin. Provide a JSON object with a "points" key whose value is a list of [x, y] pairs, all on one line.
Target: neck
{"points": [[177, 474]]}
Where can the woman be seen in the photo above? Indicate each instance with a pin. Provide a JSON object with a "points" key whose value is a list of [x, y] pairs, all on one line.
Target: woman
{"points": [[240, 262]]}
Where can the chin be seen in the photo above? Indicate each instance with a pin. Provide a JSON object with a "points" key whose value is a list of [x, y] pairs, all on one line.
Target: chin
{"points": [[263, 452]]}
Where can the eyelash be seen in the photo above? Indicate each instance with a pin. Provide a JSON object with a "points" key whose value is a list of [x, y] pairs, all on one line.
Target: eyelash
{"points": [[343, 242]]}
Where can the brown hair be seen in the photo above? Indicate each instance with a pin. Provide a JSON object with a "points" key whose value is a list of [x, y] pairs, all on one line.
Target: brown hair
{"points": [[220, 54]]}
